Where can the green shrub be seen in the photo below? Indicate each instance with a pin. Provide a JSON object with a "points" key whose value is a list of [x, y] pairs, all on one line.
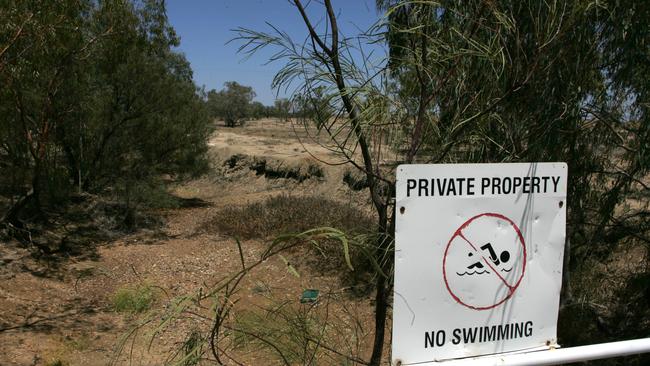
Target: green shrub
{"points": [[192, 349], [133, 299]]}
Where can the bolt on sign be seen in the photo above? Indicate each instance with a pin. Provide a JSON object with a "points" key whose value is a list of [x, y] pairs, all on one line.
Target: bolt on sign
{"points": [[478, 259]]}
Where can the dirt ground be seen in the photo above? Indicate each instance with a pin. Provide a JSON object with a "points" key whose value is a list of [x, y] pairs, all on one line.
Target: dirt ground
{"points": [[64, 313]]}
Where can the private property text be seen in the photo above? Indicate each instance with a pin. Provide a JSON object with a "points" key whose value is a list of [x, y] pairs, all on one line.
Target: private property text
{"points": [[442, 187]]}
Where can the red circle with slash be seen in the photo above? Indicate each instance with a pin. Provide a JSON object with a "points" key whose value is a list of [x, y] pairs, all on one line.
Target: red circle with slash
{"points": [[511, 287]]}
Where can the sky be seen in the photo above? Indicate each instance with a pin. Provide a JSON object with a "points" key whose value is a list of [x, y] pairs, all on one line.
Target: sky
{"points": [[205, 27]]}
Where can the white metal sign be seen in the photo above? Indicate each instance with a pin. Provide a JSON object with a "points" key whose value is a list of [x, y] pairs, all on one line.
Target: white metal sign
{"points": [[478, 259]]}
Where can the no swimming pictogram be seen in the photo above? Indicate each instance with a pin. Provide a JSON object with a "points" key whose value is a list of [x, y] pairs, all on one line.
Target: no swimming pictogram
{"points": [[485, 261]]}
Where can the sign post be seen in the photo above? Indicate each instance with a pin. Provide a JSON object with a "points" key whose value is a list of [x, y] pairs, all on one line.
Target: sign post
{"points": [[478, 259]]}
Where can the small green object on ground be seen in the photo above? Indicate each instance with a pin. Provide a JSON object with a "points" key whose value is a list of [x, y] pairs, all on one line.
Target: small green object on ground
{"points": [[309, 295]]}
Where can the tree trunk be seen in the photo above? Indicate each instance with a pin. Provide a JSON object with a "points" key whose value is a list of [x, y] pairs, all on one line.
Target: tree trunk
{"points": [[11, 216], [381, 307]]}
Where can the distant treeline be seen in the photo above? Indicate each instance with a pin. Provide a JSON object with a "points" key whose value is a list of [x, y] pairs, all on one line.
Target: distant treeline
{"points": [[92, 98], [234, 105]]}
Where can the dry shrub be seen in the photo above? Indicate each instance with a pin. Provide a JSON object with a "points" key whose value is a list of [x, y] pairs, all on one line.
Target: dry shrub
{"points": [[285, 214]]}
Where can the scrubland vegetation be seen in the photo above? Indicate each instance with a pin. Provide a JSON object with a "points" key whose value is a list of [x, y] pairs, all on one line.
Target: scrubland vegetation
{"points": [[94, 100], [101, 127]]}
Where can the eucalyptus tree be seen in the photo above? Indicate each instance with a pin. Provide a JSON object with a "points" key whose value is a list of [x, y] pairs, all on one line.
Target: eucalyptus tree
{"points": [[576, 94], [40, 67], [282, 108], [570, 87], [146, 110], [257, 110], [93, 96], [314, 106], [232, 103]]}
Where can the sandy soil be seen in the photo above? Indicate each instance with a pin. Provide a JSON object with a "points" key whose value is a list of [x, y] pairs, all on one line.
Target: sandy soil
{"points": [[65, 313]]}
